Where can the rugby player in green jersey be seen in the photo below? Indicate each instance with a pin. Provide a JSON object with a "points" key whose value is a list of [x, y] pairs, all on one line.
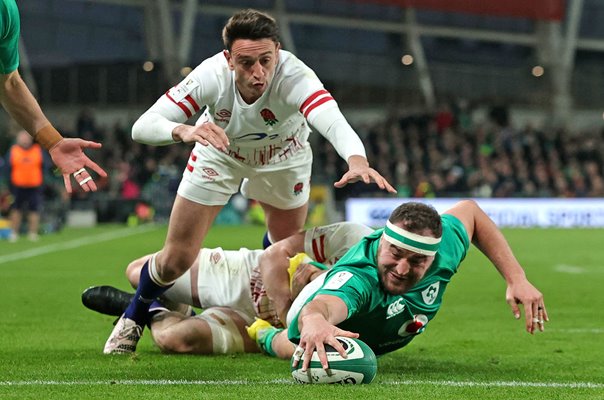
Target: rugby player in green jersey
{"points": [[389, 286]]}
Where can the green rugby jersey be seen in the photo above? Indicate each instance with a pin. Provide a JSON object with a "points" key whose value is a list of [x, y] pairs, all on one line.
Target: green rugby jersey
{"points": [[387, 322], [10, 26]]}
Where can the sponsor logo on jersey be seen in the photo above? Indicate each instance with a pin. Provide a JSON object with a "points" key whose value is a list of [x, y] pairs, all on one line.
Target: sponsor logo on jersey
{"points": [[298, 187], [338, 280], [223, 115], [269, 117], [395, 308], [256, 136], [413, 326], [429, 295]]}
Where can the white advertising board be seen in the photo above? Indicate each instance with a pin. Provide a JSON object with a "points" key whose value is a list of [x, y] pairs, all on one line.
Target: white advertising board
{"points": [[554, 213]]}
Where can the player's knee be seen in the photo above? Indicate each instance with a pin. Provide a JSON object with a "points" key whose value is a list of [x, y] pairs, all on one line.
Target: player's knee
{"points": [[133, 271], [175, 262], [168, 342]]}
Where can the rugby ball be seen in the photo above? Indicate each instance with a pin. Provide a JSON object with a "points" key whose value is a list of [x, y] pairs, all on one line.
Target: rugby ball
{"points": [[359, 367]]}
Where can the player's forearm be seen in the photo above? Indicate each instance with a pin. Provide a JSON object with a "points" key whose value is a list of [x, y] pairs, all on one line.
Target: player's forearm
{"points": [[322, 309], [314, 313], [283, 348], [21, 104], [333, 126], [157, 125], [275, 278], [153, 128]]}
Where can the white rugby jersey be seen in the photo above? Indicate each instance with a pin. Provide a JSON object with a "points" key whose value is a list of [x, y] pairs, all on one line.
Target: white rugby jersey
{"points": [[325, 244], [265, 132]]}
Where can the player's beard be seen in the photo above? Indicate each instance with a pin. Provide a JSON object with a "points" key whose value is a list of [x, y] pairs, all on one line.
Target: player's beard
{"points": [[392, 285]]}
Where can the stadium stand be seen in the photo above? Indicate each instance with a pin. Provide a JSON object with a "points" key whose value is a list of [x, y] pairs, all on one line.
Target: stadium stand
{"points": [[467, 115]]}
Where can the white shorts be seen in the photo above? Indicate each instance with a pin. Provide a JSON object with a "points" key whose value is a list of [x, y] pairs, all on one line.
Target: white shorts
{"points": [[222, 279], [212, 177]]}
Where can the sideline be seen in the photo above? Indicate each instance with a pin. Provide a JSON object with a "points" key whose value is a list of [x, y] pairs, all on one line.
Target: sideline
{"points": [[163, 382], [84, 241]]}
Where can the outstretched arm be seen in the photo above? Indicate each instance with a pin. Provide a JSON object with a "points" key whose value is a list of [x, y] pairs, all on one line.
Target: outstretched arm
{"points": [[67, 154], [483, 232], [332, 124]]}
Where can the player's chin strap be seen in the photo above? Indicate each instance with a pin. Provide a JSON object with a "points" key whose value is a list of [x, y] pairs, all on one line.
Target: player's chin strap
{"points": [[425, 245]]}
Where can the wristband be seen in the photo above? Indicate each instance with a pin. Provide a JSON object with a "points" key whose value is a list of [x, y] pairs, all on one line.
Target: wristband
{"points": [[48, 137]]}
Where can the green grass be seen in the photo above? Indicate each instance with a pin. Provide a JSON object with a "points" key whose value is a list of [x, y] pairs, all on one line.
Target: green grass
{"points": [[50, 345]]}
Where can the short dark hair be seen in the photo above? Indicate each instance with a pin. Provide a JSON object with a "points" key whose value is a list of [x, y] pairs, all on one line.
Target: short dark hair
{"points": [[417, 217], [249, 24]]}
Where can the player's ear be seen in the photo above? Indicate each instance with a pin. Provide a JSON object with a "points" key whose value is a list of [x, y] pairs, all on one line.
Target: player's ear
{"points": [[229, 59]]}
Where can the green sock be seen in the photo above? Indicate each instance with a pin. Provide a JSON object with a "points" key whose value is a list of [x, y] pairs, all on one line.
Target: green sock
{"points": [[265, 340]]}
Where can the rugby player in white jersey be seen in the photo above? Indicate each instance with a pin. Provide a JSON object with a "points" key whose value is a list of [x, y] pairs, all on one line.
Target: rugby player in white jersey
{"points": [[259, 103], [226, 284]]}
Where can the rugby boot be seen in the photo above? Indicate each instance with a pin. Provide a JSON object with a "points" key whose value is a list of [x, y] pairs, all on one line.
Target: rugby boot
{"points": [[124, 337], [106, 300]]}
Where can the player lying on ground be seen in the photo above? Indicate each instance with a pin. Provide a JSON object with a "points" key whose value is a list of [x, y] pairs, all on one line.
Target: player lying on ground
{"points": [[388, 287], [227, 285]]}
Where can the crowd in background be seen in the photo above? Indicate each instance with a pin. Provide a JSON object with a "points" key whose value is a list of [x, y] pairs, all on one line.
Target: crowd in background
{"points": [[445, 154], [440, 154]]}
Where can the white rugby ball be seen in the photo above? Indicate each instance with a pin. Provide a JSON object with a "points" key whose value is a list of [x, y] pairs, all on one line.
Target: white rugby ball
{"points": [[359, 367]]}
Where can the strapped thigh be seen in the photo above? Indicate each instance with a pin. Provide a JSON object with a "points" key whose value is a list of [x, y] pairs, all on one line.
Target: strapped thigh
{"points": [[227, 330]]}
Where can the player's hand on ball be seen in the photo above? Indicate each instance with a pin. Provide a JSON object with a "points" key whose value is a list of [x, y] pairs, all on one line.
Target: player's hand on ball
{"points": [[359, 366], [315, 334]]}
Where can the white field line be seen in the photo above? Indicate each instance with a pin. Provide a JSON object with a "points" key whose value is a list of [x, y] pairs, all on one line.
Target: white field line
{"points": [[84, 241], [569, 269], [578, 330], [562, 385]]}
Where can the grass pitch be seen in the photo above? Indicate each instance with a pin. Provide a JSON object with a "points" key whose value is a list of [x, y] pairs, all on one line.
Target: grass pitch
{"points": [[51, 346]]}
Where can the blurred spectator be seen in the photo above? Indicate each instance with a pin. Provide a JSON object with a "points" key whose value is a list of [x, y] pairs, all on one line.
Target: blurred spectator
{"points": [[444, 118], [26, 164], [86, 125]]}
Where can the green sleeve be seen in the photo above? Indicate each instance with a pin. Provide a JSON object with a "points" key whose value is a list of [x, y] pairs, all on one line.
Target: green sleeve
{"points": [[10, 27], [352, 286]]}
